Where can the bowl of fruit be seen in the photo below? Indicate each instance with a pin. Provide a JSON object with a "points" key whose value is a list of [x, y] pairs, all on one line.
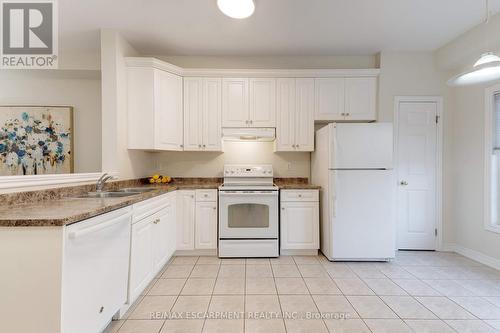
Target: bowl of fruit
{"points": [[159, 179]]}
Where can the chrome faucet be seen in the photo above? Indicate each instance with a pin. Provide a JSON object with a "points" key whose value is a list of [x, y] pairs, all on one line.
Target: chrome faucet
{"points": [[101, 181]]}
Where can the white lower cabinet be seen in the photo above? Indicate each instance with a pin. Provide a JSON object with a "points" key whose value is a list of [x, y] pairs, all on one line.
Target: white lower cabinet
{"points": [[206, 225], [299, 220], [153, 242], [197, 220]]}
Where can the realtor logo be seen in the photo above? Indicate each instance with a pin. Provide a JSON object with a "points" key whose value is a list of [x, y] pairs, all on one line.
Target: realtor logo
{"points": [[29, 34]]}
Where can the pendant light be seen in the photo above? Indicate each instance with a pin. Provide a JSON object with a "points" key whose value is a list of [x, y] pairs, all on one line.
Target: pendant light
{"points": [[238, 9], [485, 69]]}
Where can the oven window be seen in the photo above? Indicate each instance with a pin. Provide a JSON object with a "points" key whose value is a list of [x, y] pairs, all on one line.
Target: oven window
{"points": [[248, 216]]}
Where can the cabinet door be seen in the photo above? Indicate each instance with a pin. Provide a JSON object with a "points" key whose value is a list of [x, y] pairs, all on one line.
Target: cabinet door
{"points": [[185, 220], [235, 102], [299, 225], [361, 98], [262, 102], [285, 113], [304, 115], [141, 257], [206, 225], [212, 112], [161, 229], [329, 99], [193, 113], [168, 120]]}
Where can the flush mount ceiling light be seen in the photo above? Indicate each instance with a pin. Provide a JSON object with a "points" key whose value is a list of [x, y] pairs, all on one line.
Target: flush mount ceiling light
{"points": [[485, 69], [238, 9]]}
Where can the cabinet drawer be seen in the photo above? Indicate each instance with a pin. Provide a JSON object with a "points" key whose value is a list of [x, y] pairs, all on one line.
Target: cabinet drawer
{"points": [[299, 195], [206, 195]]}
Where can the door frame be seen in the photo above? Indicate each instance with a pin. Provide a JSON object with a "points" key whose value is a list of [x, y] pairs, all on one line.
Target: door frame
{"points": [[439, 156]]}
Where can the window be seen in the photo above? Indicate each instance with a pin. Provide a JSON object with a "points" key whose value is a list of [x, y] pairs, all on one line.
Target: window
{"points": [[492, 160]]}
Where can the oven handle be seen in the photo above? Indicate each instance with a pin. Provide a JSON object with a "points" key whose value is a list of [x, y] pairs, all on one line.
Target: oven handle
{"points": [[248, 193]]}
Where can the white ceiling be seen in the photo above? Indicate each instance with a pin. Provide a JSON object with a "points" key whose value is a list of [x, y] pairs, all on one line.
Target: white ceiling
{"points": [[278, 27]]}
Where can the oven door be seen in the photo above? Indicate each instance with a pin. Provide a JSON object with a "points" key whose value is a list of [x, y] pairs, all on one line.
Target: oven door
{"points": [[248, 214]]}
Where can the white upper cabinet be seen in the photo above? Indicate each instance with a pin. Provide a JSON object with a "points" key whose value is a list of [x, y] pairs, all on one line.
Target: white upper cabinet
{"points": [[154, 108], [360, 98], [262, 102], [248, 102], [193, 113], [202, 114], [295, 115], [304, 107], [235, 102], [346, 99], [329, 95], [285, 127], [212, 114]]}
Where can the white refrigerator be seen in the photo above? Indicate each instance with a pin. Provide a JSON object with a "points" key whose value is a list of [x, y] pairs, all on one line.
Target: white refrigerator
{"points": [[353, 165]]}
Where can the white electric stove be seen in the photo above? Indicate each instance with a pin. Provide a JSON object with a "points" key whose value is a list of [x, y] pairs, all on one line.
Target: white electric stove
{"points": [[248, 212]]}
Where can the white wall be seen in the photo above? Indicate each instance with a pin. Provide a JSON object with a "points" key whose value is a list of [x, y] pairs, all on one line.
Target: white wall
{"points": [[115, 155], [467, 172], [80, 89], [205, 164]]}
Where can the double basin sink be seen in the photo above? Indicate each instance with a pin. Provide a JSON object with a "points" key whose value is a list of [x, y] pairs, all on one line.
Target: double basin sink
{"points": [[124, 192]]}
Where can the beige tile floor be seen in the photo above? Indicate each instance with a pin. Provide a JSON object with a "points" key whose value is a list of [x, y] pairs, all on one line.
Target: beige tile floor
{"points": [[417, 292]]}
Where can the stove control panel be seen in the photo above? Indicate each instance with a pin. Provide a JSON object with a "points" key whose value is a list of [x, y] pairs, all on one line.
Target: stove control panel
{"points": [[248, 170]]}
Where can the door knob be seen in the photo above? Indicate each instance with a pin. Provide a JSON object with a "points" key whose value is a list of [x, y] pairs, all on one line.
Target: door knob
{"points": [[403, 183]]}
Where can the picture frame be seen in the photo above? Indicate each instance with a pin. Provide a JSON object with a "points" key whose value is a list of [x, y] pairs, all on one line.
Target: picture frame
{"points": [[36, 140]]}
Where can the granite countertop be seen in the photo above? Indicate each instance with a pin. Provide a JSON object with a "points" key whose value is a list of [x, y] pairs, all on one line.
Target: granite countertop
{"points": [[56, 212], [295, 184], [60, 207]]}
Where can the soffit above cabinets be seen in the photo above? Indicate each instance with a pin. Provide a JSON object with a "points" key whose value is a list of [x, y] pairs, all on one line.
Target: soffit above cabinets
{"points": [[249, 73]]}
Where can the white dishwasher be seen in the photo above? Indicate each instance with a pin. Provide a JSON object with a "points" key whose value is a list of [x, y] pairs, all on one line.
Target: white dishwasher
{"points": [[95, 271]]}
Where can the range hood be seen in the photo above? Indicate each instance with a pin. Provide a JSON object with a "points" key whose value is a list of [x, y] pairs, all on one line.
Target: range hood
{"points": [[248, 134]]}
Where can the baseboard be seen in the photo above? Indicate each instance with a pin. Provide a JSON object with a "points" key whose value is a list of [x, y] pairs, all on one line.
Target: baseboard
{"points": [[196, 252], [473, 254], [298, 252]]}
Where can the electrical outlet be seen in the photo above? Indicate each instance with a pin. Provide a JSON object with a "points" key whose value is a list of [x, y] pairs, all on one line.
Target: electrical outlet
{"points": [[289, 166]]}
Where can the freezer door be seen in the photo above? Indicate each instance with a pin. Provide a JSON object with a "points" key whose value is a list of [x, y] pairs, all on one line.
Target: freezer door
{"points": [[363, 226], [361, 146]]}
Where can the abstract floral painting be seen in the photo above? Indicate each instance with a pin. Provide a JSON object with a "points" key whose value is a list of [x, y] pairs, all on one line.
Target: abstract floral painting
{"points": [[36, 140]]}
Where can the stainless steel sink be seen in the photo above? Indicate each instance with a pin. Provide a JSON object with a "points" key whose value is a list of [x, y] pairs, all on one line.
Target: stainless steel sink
{"points": [[136, 189], [114, 194]]}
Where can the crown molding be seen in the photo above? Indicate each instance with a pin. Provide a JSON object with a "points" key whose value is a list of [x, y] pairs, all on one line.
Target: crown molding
{"points": [[209, 72]]}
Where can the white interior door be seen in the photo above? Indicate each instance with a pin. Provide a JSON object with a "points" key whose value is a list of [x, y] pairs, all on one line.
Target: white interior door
{"points": [[416, 168]]}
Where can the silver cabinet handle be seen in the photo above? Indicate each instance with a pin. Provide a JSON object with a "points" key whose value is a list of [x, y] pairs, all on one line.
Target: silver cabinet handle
{"points": [[101, 309], [348, 114], [282, 208], [403, 183], [214, 208], [342, 114], [296, 146], [182, 146], [192, 196], [251, 121], [300, 195], [204, 146], [199, 146], [156, 221]]}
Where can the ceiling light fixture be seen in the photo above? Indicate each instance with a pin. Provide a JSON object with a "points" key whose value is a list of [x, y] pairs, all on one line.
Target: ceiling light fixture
{"points": [[238, 9], [485, 69]]}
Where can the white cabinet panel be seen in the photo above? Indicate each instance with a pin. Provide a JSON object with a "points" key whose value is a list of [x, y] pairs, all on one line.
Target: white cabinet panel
{"points": [[202, 114], [299, 225], [206, 225], [235, 102], [329, 99], [154, 107], [295, 112], [185, 220], [168, 111], [162, 227], [304, 115], [141, 258], [193, 113], [262, 102], [212, 114], [360, 98], [285, 126]]}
